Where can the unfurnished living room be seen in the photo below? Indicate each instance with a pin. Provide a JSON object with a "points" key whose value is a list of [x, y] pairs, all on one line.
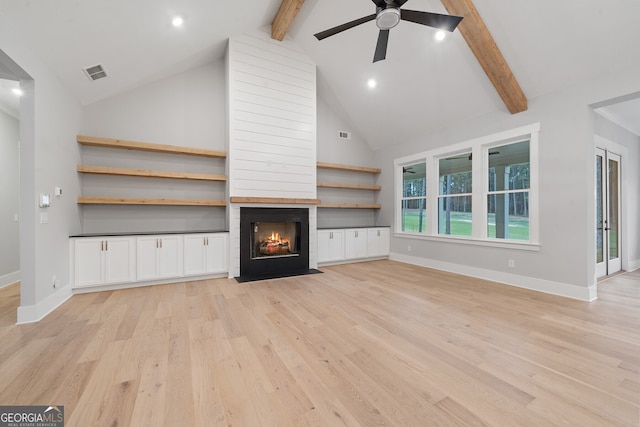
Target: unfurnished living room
{"points": [[320, 213]]}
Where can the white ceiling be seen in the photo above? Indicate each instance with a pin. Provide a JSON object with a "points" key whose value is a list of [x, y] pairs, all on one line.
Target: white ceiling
{"points": [[422, 84]]}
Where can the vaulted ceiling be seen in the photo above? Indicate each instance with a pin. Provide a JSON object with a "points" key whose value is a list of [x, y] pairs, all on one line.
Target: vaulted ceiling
{"points": [[422, 84]]}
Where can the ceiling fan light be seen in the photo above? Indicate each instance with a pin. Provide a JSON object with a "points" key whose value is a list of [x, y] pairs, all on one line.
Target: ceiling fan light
{"points": [[388, 18]]}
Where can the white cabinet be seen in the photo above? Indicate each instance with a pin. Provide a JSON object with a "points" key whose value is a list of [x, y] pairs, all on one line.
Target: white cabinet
{"points": [[378, 242], [330, 245], [339, 245], [355, 243], [205, 253], [159, 257], [100, 261]]}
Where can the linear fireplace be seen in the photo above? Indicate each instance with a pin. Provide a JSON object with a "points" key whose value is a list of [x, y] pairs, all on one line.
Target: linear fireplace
{"points": [[274, 242]]}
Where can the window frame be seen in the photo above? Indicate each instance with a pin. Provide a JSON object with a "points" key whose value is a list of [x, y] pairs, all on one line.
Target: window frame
{"points": [[479, 149], [421, 197]]}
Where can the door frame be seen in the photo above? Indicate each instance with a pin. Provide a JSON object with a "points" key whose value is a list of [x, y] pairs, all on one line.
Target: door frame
{"points": [[618, 150]]}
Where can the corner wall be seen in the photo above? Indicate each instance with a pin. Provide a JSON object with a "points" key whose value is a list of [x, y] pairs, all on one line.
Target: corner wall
{"points": [[49, 121]]}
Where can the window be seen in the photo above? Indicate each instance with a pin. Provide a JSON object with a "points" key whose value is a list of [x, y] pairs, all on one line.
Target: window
{"points": [[509, 178], [482, 191], [414, 202], [454, 198]]}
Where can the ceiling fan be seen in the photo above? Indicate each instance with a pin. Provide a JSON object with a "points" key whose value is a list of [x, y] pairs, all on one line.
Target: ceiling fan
{"points": [[388, 15]]}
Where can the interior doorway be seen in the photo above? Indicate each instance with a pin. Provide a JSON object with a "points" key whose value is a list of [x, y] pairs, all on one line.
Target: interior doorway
{"points": [[608, 212]]}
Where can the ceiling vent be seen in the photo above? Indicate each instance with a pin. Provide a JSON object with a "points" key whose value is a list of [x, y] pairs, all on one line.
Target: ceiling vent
{"points": [[95, 72], [344, 134]]}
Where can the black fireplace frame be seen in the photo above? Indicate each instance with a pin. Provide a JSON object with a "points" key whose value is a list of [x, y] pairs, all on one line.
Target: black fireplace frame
{"points": [[273, 266]]}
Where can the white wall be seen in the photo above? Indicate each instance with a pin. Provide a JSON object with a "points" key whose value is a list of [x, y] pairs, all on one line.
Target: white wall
{"points": [[564, 263], [630, 186], [272, 118], [49, 120], [9, 199]]}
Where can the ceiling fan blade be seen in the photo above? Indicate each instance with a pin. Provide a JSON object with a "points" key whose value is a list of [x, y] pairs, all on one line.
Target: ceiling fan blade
{"points": [[381, 47], [435, 20], [340, 28], [399, 3], [380, 3]]}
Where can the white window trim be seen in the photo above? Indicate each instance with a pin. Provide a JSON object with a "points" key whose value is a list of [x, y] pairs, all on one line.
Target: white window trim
{"points": [[479, 148]]}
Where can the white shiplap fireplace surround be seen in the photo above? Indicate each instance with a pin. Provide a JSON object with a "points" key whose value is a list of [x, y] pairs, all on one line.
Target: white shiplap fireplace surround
{"points": [[271, 104]]}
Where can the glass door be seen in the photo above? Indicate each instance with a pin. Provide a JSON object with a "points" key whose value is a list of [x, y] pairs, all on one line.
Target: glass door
{"points": [[608, 233]]}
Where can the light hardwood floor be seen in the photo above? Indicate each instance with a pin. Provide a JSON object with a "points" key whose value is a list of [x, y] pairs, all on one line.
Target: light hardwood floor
{"points": [[377, 343]]}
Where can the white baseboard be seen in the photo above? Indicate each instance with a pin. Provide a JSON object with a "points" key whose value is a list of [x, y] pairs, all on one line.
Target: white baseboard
{"points": [[633, 265], [547, 286], [9, 279], [37, 312]]}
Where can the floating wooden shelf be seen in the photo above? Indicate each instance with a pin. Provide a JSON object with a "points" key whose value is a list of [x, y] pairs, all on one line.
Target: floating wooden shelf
{"points": [[274, 200], [138, 201], [349, 186], [150, 173], [146, 146], [350, 205], [337, 166]]}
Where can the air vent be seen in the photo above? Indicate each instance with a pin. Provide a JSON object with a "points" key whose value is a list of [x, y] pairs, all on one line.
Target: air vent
{"points": [[95, 72], [344, 135]]}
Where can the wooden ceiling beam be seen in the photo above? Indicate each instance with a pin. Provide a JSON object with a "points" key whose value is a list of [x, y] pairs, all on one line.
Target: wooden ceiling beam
{"points": [[484, 47], [284, 18]]}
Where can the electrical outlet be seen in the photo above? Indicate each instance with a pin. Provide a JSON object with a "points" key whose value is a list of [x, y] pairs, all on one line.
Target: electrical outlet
{"points": [[55, 281], [512, 263], [409, 248]]}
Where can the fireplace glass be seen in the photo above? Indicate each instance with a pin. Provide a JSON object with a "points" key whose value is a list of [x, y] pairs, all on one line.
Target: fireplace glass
{"points": [[275, 239]]}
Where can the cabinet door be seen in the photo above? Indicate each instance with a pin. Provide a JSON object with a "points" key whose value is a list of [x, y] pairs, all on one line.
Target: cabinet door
{"points": [[378, 242], [216, 249], [324, 241], [147, 257], [88, 262], [120, 260], [194, 247], [355, 243], [331, 245], [170, 256]]}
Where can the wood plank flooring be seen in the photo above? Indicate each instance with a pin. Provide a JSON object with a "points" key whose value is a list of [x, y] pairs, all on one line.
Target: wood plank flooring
{"points": [[377, 343]]}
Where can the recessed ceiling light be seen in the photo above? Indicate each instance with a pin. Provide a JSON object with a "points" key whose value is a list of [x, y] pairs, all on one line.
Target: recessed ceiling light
{"points": [[177, 21], [440, 35], [17, 91], [371, 83]]}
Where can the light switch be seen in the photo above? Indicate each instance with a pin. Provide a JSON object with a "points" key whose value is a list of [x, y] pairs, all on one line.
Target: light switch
{"points": [[45, 200]]}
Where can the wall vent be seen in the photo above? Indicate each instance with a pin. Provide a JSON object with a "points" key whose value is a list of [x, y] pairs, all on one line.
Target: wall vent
{"points": [[95, 72], [344, 134]]}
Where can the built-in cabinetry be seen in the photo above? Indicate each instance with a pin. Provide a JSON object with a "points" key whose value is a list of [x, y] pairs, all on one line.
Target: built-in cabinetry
{"points": [[103, 261], [128, 260], [158, 257], [348, 244], [205, 254]]}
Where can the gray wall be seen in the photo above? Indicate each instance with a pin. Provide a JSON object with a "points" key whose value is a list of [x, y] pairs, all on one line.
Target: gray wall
{"points": [[564, 262], [355, 152], [187, 109], [49, 120], [9, 195], [630, 186]]}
